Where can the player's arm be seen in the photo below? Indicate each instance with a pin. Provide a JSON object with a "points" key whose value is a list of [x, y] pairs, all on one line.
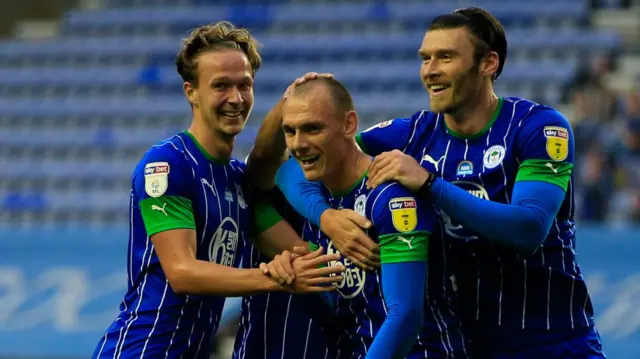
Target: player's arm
{"points": [[344, 227], [541, 184], [404, 226], [268, 152], [164, 192], [546, 162], [273, 235]]}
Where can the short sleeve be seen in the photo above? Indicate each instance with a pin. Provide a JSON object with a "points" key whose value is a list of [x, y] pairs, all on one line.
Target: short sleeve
{"points": [[386, 136], [162, 184], [545, 148], [264, 216], [403, 224]]}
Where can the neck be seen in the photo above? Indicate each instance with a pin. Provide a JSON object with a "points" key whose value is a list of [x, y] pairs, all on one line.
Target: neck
{"points": [[214, 143], [354, 165], [475, 115]]}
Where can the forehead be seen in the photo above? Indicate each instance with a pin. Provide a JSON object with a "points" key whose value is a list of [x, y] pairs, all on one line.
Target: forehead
{"points": [[458, 39], [224, 63], [313, 106]]}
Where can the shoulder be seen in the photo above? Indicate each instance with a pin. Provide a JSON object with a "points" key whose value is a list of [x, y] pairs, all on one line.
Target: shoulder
{"points": [[388, 196], [532, 114], [165, 156]]}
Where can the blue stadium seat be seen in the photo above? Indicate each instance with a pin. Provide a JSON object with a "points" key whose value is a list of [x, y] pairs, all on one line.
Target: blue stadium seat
{"points": [[261, 15]]}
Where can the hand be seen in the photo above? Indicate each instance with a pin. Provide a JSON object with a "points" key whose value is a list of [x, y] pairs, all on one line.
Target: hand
{"points": [[280, 268], [344, 227], [307, 77], [310, 278], [399, 167]]}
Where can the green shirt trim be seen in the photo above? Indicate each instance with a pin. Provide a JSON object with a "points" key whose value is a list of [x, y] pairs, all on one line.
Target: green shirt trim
{"points": [[264, 216], [558, 173], [361, 144], [404, 247], [204, 152], [484, 129], [165, 213]]}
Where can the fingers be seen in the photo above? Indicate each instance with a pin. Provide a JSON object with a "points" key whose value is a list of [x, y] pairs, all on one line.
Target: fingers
{"points": [[323, 259], [315, 254], [384, 174], [379, 163], [280, 268], [356, 218], [325, 271], [300, 251], [364, 259], [324, 280], [306, 77]]}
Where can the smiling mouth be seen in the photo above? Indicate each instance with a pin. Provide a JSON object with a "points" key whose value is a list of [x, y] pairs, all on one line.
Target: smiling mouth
{"points": [[437, 88], [232, 115], [308, 160]]}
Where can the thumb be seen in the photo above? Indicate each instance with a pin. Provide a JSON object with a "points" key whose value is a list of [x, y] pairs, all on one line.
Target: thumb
{"points": [[356, 218]]}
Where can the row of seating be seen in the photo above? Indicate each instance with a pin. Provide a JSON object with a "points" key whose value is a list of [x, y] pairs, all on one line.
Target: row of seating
{"points": [[285, 45], [272, 75], [264, 15]]}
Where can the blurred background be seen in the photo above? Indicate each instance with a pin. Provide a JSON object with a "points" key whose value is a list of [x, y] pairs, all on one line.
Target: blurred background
{"points": [[87, 86]]}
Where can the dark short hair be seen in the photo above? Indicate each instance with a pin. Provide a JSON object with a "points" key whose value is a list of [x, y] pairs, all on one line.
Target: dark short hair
{"points": [[487, 31], [340, 96], [221, 35]]}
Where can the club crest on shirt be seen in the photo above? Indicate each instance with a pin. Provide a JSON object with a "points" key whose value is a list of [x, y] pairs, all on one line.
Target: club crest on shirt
{"points": [[241, 201], [493, 156], [465, 168], [156, 178], [404, 213], [361, 205], [557, 142]]}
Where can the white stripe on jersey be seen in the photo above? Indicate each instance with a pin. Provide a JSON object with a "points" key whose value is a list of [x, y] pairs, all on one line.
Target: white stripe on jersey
{"points": [[134, 314], [306, 341], [284, 330], [548, 298], [166, 354], [155, 322], [185, 148], [415, 126], [131, 196]]}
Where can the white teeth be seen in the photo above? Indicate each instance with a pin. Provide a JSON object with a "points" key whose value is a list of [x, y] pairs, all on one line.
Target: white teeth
{"points": [[231, 114], [438, 87]]}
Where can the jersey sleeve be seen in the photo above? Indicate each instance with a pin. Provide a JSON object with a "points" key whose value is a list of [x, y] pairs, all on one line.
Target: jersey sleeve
{"points": [[264, 216], [162, 184], [386, 136], [403, 224], [545, 149]]}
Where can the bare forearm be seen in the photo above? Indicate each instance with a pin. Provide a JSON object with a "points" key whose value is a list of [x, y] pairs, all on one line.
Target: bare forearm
{"points": [[206, 278], [268, 150], [280, 237]]}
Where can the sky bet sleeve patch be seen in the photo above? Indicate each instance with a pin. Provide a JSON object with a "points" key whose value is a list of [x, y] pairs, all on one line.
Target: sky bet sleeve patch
{"points": [[557, 142], [404, 215], [156, 178]]}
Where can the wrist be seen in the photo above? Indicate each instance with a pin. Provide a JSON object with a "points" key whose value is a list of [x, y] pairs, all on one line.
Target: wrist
{"points": [[268, 284], [425, 188]]}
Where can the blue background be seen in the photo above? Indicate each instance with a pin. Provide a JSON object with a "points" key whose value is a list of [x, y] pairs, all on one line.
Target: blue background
{"points": [[59, 289]]}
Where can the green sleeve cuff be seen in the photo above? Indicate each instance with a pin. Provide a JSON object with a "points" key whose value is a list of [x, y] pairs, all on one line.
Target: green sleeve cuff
{"points": [[558, 173], [360, 143], [404, 247], [264, 216], [313, 247], [165, 213]]}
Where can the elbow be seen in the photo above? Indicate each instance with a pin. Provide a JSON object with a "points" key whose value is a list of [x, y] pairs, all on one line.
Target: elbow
{"points": [[534, 234], [410, 319], [178, 278]]}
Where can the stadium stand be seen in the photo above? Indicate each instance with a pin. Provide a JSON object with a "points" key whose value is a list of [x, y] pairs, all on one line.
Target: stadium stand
{"points": [[110, 85], [78, 111]]}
